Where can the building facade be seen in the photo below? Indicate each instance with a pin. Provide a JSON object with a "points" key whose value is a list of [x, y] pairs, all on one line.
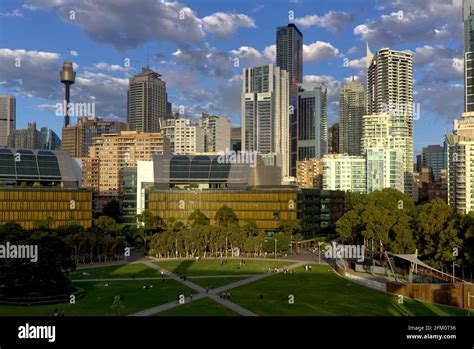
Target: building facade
{"points": [[7, 118], [468, 22], [346, 173], [390, 92], [146, 101], [352, 101], [333, 139], [289, 57], [78, 138], [236, 139], [312, 121], [189, 137], [25, 138], [385, 169], [216, 132], [110, 154], [461, 163], [309, 173], [434, 156], [48, 139], [265, 118]]}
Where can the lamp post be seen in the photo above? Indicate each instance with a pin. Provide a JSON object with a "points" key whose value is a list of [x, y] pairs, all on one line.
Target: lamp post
{"points": [[319, 252], [275, 248]]}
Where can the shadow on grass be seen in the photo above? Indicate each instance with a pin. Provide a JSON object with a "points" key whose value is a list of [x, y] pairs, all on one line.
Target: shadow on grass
{"points": [[183, 267]]}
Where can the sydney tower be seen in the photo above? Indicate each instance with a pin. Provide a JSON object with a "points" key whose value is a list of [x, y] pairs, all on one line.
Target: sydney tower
{"points": [[68, 76]]}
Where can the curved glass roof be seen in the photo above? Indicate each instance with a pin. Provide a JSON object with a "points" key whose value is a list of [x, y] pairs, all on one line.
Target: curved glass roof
{"points": [[198, 169], [24, 164]]}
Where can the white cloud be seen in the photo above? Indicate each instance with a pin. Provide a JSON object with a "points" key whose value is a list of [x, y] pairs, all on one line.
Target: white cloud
{"points": [[319, 50], [224, 24], [333, 21], [108, 67], [14, 13], [270, 52], [73, 53]]}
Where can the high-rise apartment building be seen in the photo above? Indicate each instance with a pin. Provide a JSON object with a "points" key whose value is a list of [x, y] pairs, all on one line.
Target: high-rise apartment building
{"points": [[216, 132], [468, 21], [352, 101], [265, 118], [25, 138], [461, 163], [342, 172], [7, 118], [312, 121], [48, 139], [188, 137], [385, 168], [289, 57], [309, 174], [146, 101], [333, 139], [78, 138], [390, 92], [110, 153]]}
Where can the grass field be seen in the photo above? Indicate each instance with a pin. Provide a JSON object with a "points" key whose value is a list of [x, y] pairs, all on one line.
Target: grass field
{"points": [[201, 307], [213, 283], [116, 271], [99, 298], [322, 293], [213, 266]]}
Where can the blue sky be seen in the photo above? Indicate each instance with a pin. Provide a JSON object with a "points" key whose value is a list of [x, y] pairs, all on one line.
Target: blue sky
{"points": [[194, 44]]}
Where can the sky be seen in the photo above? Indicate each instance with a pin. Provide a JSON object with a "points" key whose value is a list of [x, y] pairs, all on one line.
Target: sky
{"points": [[201, 46]]}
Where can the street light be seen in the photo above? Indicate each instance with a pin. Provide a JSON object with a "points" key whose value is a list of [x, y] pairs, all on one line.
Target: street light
{"points": [[319, 252], [276, 248]]}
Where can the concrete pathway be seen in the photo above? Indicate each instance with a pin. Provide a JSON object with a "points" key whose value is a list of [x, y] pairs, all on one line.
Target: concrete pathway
{"points": [[212, 294]]}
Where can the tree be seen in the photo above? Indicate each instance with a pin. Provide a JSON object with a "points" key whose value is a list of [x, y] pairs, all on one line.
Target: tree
{"points": [[251, 228], [290, 227], [106, 224], [437, 233], [198, 218], [113, 210], [353, 199], [149, 221], [225, 216]]}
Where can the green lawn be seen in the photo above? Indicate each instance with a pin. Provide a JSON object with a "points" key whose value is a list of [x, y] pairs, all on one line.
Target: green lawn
{"points": [[116, 271], [99, 299], [201, 307], [213, 266], [214, 283], [322, 293]]}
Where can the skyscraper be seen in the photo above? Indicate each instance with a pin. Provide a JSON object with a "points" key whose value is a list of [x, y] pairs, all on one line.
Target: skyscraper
{"points": [[48, 139], [434, 156], [333, 139], [289, 57], [216, 132], [146, 101], [352, 102], [25, 138], [7, 118], [390, 92], [188, 137], [68, 77], [385, 169], [78, 138], [468, 20], [347, 173], [312, 121], [265, 119]]}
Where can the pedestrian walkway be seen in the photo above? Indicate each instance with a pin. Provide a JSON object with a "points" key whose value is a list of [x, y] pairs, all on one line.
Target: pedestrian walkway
{"points": [[213, 294]]}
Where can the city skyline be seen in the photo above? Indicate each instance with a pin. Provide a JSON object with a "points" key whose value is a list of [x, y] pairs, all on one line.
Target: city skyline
{"points": [[198, 59]]}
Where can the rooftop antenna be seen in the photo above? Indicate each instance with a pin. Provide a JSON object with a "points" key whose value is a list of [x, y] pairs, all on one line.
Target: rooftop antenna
{"points": [[147, 56]]}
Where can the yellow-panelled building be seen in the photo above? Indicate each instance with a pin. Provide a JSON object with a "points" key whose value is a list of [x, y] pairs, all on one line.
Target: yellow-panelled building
{"points": [[267, 207], [28, 205]]}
